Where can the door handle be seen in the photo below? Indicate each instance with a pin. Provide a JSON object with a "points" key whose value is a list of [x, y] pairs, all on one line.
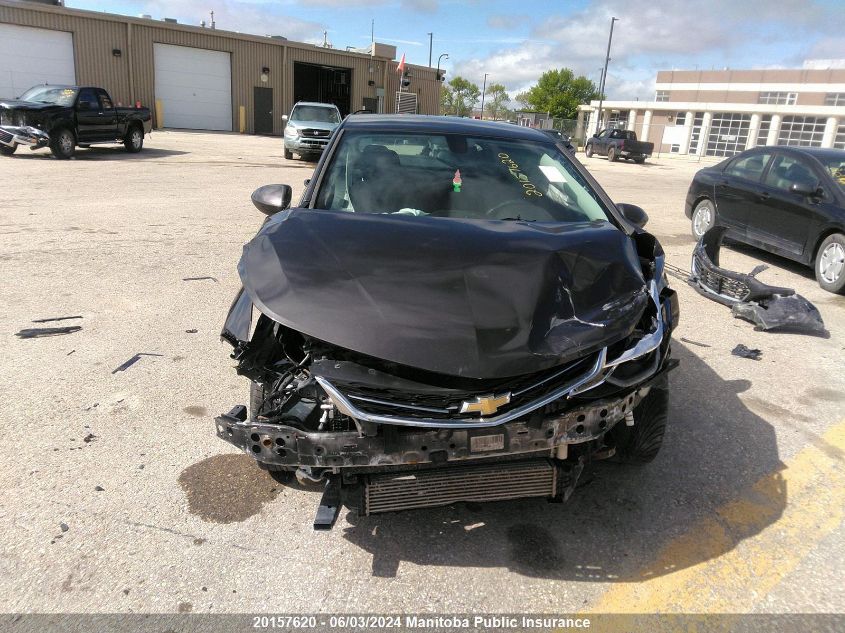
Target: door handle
{"points": [[763, 196]]}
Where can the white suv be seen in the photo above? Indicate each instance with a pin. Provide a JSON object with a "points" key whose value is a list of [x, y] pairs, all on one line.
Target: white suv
{"points": [[309, 127]]}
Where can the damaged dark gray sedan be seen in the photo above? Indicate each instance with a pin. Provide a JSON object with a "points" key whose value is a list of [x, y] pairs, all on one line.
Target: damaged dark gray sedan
{"points": [[455, 311]]}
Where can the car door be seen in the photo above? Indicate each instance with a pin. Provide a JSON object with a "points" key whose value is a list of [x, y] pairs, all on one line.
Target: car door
{"points": [[600, 142], [88, 116], [108, 118], [782, 219], [739, 187]]}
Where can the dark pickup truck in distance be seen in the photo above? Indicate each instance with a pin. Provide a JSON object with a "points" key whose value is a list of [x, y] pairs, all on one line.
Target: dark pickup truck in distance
{"points": [[616, 144], [63, 117]]}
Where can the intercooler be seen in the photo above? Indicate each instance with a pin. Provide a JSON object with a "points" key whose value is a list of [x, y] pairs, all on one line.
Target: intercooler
{"points": [[444, 486]]}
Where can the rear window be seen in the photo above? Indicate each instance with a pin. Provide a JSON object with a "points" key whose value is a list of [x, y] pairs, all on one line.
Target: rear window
{"points": [[456, 176]]}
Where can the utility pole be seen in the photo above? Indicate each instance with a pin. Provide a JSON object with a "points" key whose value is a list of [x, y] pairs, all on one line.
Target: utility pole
{"points": [[430, 42], [483, 90], [604, 74]]}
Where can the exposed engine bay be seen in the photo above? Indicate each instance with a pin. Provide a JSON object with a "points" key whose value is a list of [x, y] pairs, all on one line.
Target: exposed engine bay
{"points": [[387, 435]]}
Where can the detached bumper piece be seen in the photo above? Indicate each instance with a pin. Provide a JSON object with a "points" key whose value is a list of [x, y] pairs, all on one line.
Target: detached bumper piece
{"points": [[768, 307], [29, 136]]}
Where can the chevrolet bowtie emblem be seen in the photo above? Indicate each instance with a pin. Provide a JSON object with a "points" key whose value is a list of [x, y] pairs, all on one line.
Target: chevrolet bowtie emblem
{"points": [[485, 405]]}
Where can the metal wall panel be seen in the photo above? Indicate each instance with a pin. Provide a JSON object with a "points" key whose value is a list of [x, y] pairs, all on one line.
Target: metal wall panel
{"points": [[130, 76]]}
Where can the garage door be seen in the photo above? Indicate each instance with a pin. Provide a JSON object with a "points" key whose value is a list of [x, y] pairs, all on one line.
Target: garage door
{"points": [[34, 56], [194, 86]]}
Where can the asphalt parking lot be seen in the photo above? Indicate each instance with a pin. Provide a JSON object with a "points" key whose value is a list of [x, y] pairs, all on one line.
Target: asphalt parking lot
{"points": [[118, 497]]}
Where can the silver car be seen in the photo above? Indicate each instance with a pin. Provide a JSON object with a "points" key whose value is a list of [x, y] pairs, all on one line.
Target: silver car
{"points": [[309, 127]]}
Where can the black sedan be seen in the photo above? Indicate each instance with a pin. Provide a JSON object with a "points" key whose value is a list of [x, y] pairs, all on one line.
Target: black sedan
{"points": [[561, 137], [787, 200]]}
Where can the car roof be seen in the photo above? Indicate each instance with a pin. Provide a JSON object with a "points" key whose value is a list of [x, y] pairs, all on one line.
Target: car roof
{"points": [[817, 152], [315, 103], [442, 125]]}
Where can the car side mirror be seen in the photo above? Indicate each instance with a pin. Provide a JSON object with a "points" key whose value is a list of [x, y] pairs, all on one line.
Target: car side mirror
{"points": [[271, 199], [634, 214], [804, 189], [284, 117]]}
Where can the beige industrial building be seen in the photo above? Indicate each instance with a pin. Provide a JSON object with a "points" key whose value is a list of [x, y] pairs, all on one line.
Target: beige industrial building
{"points": [[196, 77], [720, 113]]}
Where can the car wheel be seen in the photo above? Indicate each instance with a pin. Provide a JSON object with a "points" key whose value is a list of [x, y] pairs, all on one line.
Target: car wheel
{"points": [[703, 218], [7, 150], [288, 154], [611, 155], [134, 140], [589, 151], [639, 444], [63, 144], [830, 263], [639, 160]]}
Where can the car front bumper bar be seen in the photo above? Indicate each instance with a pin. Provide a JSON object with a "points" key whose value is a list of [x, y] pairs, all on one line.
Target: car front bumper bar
{"points": [[287, 446], [29, 136]]}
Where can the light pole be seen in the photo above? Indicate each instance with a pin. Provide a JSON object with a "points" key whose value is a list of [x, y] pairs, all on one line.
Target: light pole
{"points": [[604, 75], [430, 42], [442, 55], [483, 90]]}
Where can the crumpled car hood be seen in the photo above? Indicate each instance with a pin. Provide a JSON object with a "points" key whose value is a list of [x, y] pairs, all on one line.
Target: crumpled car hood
{"points": [[480, 299]]}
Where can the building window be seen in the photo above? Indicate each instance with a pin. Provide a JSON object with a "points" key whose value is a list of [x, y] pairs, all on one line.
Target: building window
{"points": [[695, 137], [839, 139], [661, 95], [778, 98], [728, 134], [806, 131], [618, 120], [763, 132], [835, 98]]}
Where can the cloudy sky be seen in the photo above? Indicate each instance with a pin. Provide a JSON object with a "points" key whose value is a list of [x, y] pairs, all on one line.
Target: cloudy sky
{"points": [[516, 41]]}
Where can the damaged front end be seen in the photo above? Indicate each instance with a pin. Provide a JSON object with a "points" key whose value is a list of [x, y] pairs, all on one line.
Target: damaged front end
{"points": [[414, 381], [768, 307], [12, 136]]}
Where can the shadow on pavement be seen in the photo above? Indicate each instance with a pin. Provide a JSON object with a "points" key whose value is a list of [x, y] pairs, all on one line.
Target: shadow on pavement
{"points": [[617, 524], [104, 152]]}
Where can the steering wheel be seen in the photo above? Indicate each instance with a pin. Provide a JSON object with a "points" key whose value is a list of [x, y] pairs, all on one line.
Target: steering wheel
{"points": [[508, 203]]}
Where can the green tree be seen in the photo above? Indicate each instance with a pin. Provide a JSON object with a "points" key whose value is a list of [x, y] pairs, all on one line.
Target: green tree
{"points": [[559, 92], [496, 101], [459, 97]]}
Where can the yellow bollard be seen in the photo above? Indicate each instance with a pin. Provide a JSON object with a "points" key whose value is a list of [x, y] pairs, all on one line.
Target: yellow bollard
{"points": [[159, 114], [242, 118]]}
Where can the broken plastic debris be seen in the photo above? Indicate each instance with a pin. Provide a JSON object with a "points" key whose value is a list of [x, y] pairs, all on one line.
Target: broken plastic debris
{"points": [[132, 361], [744, 352], [38, 332]]}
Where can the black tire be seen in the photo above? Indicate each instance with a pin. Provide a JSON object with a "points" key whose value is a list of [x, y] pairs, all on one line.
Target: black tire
{"points": [[639, 160], [699, 222], [830, 263], [62, 143], [588, 150], [288, 154], [611, 155], [639, 444], [7, 150], [134, 141]]}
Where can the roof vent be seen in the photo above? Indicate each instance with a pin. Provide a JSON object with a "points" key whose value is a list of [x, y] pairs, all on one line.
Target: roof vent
{"points": [[145, 16], [169, 20]]}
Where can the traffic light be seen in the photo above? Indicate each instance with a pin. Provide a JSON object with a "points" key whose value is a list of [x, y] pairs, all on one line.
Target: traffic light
{"points": [[406, 79]]}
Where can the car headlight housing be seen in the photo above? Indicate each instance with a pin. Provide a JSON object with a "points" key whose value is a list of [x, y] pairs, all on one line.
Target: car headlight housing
{"points": [[291, 131]]}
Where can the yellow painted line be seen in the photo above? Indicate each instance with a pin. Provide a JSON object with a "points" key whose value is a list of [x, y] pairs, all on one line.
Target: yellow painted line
{"points": [[728, 562]]}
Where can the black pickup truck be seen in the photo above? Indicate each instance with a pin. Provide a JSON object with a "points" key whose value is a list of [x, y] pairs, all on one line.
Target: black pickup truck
{"points": [[616, 144], [63, 117]]}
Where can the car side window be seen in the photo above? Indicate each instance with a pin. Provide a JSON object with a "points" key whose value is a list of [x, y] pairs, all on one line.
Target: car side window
{"points": [[603, 134], [749, 167], [88, 100], [105, 102], [788, 170]]}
